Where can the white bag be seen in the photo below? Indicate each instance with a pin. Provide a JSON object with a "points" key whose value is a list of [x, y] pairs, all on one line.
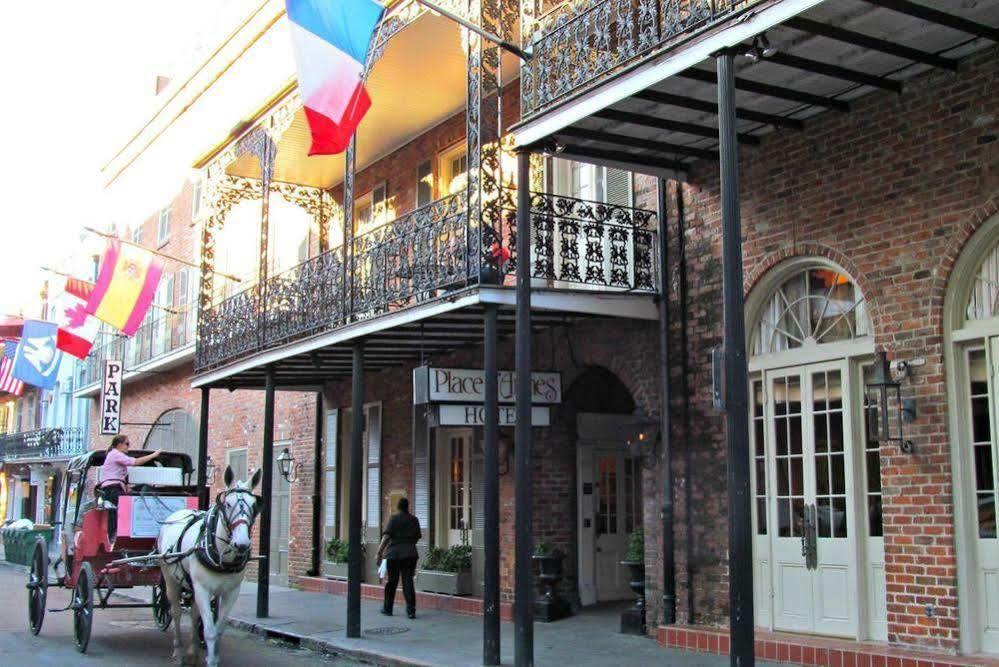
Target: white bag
{"points": [[383, 570]]}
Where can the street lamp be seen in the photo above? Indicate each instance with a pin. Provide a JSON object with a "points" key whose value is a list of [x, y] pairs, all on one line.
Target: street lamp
{"points": [[880, 390], [641, 433], [288, 466]]}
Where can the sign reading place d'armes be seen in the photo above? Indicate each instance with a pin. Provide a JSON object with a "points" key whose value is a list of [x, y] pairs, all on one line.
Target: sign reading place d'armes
{"points": [[466, 385]]}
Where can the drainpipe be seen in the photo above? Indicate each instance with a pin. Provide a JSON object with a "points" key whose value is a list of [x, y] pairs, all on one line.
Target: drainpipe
{"points": [[681, 240], [317, 487], [669, 566]]}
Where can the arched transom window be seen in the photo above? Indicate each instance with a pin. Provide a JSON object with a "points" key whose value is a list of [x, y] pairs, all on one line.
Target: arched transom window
{"points": [[815, 305], [983, 303]]}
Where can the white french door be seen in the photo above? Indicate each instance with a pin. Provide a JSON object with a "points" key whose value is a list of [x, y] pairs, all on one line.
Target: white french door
{"points": [[454, 485], [809, 454], [617, 514], [981, 442]]}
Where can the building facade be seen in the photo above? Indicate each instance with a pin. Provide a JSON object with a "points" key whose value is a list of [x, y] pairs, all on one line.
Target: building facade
{"points": [[867, 180]]}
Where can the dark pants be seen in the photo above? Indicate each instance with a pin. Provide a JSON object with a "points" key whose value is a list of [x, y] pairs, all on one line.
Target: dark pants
{"points": [[111, 493], [406, 567]]}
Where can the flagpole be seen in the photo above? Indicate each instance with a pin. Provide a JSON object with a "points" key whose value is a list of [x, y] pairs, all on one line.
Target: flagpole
{"points": [[525, 55], [66, 275], [158, 253]]}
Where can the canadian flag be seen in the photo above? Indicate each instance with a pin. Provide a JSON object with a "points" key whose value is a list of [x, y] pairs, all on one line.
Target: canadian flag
{"points": [[77, 329]]}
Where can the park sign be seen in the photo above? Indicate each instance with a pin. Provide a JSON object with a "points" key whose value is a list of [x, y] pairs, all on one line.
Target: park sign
{"points": [[111, 397], [465, 385]]}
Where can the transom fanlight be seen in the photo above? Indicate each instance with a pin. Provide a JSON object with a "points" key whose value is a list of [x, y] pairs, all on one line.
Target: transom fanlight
{"points": [[984, 300], [814, 306]]}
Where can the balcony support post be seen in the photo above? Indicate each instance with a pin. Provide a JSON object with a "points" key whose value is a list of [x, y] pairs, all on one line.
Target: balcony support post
{"points": [[318, 463], [665, 430], [265, 154], [348, 228], [523, 613], [490, 451], [740, 536], [266, 487], [356, 480], [203, 451]]}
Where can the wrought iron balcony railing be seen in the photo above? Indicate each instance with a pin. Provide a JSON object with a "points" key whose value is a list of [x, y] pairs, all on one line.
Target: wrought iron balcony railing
{"points": [[43, 443], [156, 337], [429, 254], [581, 43]]}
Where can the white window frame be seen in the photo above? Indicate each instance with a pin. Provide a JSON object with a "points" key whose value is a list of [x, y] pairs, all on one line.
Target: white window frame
{"points": [[416, 197], [137, 236], [376, 200], [228, 461], [163, 223], [445, 169], [197, 195]]}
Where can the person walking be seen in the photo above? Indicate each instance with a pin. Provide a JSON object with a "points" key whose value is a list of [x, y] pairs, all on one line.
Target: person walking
{"points": [[398, 547]]}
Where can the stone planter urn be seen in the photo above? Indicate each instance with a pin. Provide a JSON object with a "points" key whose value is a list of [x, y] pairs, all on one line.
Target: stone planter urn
{"points": [[549, 606], [633, 618]]}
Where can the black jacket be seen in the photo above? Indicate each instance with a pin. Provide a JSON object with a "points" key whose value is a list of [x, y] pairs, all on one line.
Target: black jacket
{"points": [[403, 530]]}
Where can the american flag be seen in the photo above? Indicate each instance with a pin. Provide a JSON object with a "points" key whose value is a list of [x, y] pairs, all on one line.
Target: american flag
{"points": [[8, 382]]}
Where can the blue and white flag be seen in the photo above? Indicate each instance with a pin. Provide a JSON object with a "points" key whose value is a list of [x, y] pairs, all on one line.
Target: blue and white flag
{"points": [[37, 359]]}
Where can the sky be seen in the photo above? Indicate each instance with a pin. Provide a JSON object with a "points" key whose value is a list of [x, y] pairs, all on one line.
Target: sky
{"points": [[78, 80]]}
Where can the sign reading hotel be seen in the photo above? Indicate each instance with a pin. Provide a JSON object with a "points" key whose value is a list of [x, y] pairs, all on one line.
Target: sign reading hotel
{"points": [[475, 415], [111, 397], [464, 385]]}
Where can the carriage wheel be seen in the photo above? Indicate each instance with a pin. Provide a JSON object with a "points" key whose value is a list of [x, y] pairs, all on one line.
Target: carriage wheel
{"points": [[83, 607], [38, 585], [161, 605]]}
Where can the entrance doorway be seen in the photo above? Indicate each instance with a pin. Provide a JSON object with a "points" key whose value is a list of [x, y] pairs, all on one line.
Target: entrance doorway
{"points": [[455, 449], [280, 520], [610, 507]]}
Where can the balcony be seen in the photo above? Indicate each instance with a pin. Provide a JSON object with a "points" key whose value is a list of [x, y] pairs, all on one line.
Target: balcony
{"points": [[433, 254], [44, 443], [578, 45], [162, 334]]}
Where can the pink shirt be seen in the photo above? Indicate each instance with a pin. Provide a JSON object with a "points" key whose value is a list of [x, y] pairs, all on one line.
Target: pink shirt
{"points": [[116, 467]]}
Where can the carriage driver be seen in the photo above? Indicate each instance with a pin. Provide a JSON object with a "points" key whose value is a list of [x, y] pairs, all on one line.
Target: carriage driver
{"points": [[115, 469]]}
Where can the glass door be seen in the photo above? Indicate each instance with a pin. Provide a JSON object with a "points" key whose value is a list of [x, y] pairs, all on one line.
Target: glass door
{"points": [[808, 429]]}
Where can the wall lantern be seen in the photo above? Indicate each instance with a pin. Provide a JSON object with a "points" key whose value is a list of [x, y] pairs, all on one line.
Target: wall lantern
{"points": [[641, 433], [880, 391], [210, 471], [288, 466]]}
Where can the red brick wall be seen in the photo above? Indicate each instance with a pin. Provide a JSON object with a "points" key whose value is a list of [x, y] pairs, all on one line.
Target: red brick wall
{"points": [[890, 191]]}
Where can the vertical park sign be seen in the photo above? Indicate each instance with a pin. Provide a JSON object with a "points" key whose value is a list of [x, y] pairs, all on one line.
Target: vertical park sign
{"points": [[111, 397]]}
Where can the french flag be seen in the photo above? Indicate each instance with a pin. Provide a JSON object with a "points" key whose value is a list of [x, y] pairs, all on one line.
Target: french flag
{"points": [[331, 40]]}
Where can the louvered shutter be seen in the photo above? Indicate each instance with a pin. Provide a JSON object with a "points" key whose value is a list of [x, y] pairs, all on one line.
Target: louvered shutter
{"points": [[330, 488], [421, 471], [618, 184], [477, 482], [374, 493]]}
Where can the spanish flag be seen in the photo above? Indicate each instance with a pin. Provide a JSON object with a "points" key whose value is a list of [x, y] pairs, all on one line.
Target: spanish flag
{"points": [[125, 286]]}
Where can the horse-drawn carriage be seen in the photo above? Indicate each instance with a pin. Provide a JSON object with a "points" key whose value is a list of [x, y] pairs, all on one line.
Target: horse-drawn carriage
{"points": [[104, 548]]}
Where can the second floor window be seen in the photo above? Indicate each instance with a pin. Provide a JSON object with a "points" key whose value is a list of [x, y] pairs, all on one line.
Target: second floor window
{"points": [[137, 236], [370, 211], [453, 170], [196, 196], [163, 228], [424, 183]]}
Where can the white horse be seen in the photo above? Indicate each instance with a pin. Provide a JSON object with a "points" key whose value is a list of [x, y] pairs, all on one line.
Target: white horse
{"points": [[204, 556]]}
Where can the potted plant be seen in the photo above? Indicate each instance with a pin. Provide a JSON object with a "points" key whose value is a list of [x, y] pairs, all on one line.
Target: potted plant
{"points": [[447, 571], [337, 552], [547, 562], [633, 619]]}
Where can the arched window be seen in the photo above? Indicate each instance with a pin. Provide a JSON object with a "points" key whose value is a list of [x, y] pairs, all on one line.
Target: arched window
{"points": [[175, 431], [815, 305], [983, 303]]}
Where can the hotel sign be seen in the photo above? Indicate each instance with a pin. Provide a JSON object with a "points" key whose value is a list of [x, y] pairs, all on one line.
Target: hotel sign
{"points": [[475, 415], [465, 385]]}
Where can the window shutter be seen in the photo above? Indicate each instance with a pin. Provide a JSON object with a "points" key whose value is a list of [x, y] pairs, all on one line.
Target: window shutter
{"points": [[477, 481], [374, 422], [330, 488], [618, 187], [421, 472]]}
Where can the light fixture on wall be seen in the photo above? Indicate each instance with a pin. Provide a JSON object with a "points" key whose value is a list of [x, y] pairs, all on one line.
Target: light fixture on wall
{"points": [[210, 471], [641, 434], [881, 390], [288, 466], [761, 48]]}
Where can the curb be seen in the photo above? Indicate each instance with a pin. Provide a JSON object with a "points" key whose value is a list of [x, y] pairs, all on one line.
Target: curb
{"points": [[326, 646]]}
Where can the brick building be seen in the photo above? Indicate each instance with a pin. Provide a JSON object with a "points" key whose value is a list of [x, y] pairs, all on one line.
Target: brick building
{"points": [[867, 189]]}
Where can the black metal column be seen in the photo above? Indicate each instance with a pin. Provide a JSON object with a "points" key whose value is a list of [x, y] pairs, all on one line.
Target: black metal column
{"points": [[740, 537], [203, 452], [669, 565], [266, 486], [490, 539], [523, 612], [317, 490], [354, 510]]}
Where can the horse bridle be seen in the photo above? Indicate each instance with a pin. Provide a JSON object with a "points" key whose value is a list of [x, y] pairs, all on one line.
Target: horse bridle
{"points": [[245, 515]]}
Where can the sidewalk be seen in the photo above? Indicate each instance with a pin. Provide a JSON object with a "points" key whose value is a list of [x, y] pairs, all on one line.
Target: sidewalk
{"points": [[441, 639]]}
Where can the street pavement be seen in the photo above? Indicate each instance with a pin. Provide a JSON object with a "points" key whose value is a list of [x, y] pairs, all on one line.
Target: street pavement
{"points": [[120, 636]]}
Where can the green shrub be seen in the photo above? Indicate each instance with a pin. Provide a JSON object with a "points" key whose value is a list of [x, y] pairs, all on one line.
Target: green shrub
{"points": [[453, 559], [546, 549], [338, 550], [636, 547]]}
